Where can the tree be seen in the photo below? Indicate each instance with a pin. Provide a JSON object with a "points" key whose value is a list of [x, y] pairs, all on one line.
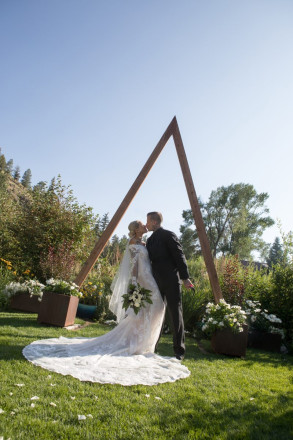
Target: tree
{"points": [[3, 165], [16, 174], [276, 253], [51, 221], [235, 218], [10, 166], [26, 180], [40, 186]]}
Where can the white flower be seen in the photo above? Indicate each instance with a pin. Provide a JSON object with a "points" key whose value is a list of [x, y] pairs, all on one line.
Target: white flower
{"points": [[158, 398], [33, 405], [19, 384], [53, 404], [35, 398], [147, 395], [2, 411], [81, 417], [73, 397], [90, 416]]}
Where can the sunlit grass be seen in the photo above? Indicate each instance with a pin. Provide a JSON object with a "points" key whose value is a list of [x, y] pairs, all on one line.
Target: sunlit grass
{"points": [[224, 398]]}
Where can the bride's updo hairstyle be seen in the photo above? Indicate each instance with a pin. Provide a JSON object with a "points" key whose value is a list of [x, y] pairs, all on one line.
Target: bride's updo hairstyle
{"points": [[132, 228]]}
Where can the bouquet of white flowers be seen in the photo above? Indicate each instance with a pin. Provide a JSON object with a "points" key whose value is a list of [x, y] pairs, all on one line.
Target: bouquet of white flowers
{"points": [[136, 297]]}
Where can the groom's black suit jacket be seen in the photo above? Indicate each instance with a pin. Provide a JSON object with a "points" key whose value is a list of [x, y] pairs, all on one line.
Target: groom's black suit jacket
{"points": [[167, 258]]}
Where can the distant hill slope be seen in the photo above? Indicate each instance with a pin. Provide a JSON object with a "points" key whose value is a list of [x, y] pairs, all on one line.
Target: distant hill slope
{"points": [[17, 190]]}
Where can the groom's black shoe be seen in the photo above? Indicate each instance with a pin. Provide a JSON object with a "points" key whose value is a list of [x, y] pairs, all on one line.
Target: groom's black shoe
{"points": [[180, 357]]}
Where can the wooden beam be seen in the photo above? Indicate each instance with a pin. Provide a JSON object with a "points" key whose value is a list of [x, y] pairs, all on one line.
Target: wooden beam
{"points": [[200, 227], [105, 237], [172, 130]]}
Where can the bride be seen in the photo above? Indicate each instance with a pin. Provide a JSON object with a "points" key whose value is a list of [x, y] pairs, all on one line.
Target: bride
{"points": [[125, 355]]}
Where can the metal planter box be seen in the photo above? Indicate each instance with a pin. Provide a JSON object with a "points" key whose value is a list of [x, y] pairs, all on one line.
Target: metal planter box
{"points": [[25, 303], [57, 309], [229, 343]]}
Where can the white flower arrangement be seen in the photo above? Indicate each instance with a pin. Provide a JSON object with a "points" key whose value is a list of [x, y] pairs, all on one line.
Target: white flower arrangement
{"points": [[63, 287], [33, 287], [260, 319], [223, 315]]}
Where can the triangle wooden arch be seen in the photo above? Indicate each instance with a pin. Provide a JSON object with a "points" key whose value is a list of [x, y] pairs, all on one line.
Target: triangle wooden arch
{"points": [[172, 130]]}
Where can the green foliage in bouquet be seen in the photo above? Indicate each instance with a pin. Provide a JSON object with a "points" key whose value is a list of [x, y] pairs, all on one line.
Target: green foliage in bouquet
{"points": [[136, 297]]}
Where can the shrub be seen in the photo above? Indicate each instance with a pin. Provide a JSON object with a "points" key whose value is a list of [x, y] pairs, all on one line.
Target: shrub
{"points": [[232, 278], [279, 300], [261, 320], [194, 302], [223, 315]]}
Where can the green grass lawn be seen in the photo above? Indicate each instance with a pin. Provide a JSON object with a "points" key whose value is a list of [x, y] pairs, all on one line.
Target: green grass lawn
{"points": [[224, 398]]}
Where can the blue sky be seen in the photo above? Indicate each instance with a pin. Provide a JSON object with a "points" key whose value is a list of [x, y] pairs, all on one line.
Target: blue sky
{"points": [[88, 87]]}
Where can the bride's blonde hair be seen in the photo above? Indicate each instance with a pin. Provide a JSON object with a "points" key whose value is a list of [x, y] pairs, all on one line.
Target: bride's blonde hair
{"points": [[132, 228]]}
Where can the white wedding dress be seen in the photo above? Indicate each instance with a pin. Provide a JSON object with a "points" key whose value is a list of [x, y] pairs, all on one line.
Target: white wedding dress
{"points": [[125, 355]]}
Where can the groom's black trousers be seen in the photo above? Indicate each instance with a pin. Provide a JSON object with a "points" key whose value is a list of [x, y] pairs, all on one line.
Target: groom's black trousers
{"points": [[170, 289]]}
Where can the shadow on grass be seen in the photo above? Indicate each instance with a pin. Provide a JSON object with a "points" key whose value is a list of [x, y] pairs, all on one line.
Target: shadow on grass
{"points": [[237, 420], [19, 320]]}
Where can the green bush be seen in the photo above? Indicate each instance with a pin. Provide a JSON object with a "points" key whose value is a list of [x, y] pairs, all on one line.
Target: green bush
{"points": [[103, 274], [7, 275], [194, 303], [279, 300]]}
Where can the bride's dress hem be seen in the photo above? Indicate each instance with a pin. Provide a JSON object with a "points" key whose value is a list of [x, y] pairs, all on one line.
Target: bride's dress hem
{"points": [[114, 357]]}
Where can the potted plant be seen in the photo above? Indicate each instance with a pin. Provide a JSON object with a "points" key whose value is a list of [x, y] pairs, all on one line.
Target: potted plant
{"points": [[25, 296], [227, 327], [59, 303], [264, 330], [91, 300]]}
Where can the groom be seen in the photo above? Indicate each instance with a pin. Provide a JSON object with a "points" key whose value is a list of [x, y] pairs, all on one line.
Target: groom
{"points": [[169, 266]]}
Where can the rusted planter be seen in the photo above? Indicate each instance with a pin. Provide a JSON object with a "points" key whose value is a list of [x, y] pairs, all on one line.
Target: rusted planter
{"points": [[229, 343], [264, 341], [57, 309], [25, 303]]}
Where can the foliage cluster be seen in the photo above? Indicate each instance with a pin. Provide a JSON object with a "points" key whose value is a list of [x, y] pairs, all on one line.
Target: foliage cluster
{"points": [[223, 315], [235, 218], [259, 318]]}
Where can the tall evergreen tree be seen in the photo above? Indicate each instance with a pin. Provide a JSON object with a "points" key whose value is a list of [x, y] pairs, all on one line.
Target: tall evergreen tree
{"points": [[26, 180], [10, 166], [16, 173], [276, 253], [3, 166]]}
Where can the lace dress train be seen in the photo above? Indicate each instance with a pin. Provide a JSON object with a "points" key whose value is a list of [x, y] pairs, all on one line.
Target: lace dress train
{"points": [[125, 355]]}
